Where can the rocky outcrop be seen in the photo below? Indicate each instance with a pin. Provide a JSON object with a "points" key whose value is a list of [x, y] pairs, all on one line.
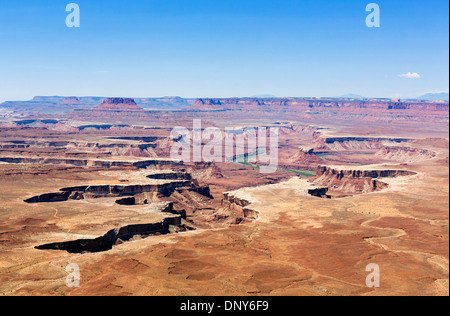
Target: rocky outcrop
{"points": [[205, 170], [305, 157], [93, 163], [330, 140], [236, 210], [97, 191], [119, 235], [112, 109], [68, 161], [404, 154], [49, 197], [107, 147], [139, 193], [118, 104], [362, 173], [71, 101], [356, 144], [342, 182], [293, 104], [209, 104]]}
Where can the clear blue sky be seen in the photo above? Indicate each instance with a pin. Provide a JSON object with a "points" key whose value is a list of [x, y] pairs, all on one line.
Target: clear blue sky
{"points": [[222, 48]]}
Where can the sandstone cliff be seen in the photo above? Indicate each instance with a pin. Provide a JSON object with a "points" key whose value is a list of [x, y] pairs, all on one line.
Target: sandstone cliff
{"points": [[293, 104], [118, 104], [348, 181]]}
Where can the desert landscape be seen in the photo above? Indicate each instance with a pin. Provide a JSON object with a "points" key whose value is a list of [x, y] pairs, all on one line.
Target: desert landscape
{"points": [[225, 155], [91, 182]]}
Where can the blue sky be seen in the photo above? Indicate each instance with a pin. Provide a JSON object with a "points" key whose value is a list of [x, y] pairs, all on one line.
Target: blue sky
{"points": [[222, 48]]}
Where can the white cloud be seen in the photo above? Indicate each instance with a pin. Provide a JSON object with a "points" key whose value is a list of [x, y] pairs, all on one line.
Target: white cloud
{"points": [[410, 75]]}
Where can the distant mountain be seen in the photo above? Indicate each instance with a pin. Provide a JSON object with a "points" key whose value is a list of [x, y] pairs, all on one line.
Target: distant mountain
{"points": [[63, 105], [51, 104], [349, 96], [264, 96], [435, 96]]}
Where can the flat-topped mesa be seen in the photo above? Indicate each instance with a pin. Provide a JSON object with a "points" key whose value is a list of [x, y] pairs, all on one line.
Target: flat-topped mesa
{"points": [[134, 190], [236, 104], [344, 181], [93, 163], [70, 100], [321, 105], [331, 140], [168, 225], [118, 104], [361, 173], [405, 154]]}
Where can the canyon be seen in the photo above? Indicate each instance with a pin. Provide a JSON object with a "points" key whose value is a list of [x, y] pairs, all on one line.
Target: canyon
{"points": [[91, 181]]}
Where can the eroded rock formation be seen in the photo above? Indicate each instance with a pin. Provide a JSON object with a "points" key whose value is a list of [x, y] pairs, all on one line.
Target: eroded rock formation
{"points": [[404, 154], [119, 235], [347, 181], [235, 210], [99, 191], [118, 104], [284, 104]]}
